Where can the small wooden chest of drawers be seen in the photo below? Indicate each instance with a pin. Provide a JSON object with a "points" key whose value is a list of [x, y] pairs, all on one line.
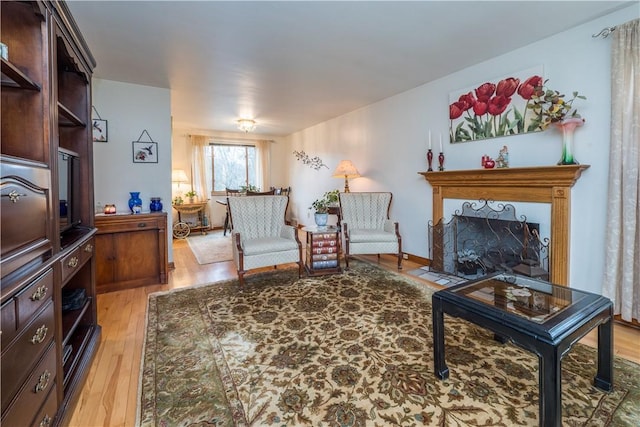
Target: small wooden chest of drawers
{"points": [[322, 250]]}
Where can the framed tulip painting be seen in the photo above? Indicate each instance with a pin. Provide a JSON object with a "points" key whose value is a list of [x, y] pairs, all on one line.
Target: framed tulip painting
{"points": [[496, 108]]}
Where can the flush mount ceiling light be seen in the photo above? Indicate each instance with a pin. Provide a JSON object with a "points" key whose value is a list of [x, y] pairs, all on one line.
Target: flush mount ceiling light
{"points": [[246, 125]]}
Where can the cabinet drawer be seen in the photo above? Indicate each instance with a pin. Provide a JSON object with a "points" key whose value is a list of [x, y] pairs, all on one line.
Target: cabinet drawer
{"points": [[48, 411], [87, 250], [21, 355], [129, 225], [35, 388], [9, 321], [70, 264], [36, 295]]}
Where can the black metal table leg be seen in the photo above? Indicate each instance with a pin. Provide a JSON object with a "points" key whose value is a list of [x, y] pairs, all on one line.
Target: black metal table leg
{"points": [[604, 377], [439, 365], [549, 378]]}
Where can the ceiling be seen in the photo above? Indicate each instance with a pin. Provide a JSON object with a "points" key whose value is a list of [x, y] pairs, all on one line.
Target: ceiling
{"points": [[290, 65]]}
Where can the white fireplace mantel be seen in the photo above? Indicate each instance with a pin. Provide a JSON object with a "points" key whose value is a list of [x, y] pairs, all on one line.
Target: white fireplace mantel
{"points": [[544, 184]]}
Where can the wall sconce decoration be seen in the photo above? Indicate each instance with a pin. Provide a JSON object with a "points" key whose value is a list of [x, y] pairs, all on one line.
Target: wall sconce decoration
{"points": [[347, 170], [246, 125]]}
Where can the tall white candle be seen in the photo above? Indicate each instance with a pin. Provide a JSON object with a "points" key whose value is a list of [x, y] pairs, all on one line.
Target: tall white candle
{"points": [[429, 139], [441, 143]]}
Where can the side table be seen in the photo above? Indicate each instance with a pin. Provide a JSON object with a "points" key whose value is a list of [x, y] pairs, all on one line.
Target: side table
{"points": [[322, 250]]}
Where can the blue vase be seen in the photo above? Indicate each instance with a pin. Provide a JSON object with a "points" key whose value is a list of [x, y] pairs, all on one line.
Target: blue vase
{"points": [[134, 200], [156, 204], [321, 219]]}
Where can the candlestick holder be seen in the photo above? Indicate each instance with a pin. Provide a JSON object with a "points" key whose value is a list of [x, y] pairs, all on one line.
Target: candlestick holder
{"points": [[429, 160], [441, 161]]}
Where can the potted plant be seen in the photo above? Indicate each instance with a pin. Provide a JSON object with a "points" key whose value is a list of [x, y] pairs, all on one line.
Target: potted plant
{"points": [[191, 195], [321, 207]]}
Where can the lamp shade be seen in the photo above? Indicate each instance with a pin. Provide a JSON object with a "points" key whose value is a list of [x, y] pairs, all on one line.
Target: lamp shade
{"points": [[178, 175], [346, 169]]}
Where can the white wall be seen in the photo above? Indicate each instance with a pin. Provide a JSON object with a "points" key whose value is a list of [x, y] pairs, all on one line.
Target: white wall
{"points": [[387, 141], [130, 109]]}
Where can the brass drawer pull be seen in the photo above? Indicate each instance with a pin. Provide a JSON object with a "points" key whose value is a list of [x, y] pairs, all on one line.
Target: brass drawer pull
{"points": [[43, 382], [142, 224], [73, 262], [40, 335], [46, 421], [88, 248], [14, 196], [39, 293]]}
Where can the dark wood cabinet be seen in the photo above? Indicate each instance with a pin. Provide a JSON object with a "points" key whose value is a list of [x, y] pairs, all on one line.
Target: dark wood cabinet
{"points": [[45, 107], [131, 251]]}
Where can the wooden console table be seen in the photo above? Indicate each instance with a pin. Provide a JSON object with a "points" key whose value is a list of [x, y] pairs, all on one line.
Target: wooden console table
{"points": [[544, 184], [131, 251]]}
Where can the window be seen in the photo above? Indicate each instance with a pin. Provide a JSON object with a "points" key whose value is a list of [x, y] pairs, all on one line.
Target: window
{"points": [[231, 166]]}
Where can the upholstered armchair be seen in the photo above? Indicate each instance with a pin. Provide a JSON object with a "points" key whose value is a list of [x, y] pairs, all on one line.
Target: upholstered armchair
{"points": [[366, 226], [260, 236]]}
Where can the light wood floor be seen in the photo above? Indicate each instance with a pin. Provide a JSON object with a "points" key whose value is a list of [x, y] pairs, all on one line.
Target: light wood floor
{"points": [[109, 396]]}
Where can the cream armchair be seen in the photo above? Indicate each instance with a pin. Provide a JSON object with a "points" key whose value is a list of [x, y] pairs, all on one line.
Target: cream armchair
{"points": [[260, 236], [366, 226]]}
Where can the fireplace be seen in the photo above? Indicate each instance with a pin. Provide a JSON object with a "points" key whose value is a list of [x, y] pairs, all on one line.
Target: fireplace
{"points": [[480, 240], [544, 184]]}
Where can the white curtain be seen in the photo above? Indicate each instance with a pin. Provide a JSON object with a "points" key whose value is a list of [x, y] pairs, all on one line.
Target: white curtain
{"points": [[622, 257], [201, 184], [262, 164]]}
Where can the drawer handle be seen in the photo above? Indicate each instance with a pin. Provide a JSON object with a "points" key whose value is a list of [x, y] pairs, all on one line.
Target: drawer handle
{"points": [[46, 421], [88, 248], [14, 196], [40, 335], [142, 224], [73, 262], [39, 293], [43, 382]]}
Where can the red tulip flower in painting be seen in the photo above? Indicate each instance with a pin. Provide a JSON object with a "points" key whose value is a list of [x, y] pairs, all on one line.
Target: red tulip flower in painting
{"points": [[507, 87], [530, 87], [456, 109]]}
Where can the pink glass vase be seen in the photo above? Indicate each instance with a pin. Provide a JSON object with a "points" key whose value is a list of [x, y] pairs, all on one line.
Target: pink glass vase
{"points": [[568, 127]]}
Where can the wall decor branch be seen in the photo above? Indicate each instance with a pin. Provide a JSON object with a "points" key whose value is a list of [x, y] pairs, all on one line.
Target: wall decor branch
{"points": [[313, 162]]}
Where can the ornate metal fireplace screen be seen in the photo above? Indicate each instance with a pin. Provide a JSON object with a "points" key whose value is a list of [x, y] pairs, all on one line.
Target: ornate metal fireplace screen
{"points": [[484, 240]]}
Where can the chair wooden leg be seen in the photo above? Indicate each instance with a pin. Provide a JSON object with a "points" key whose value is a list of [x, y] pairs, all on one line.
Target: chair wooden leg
{"points": [[241, 278], [399, 260]]}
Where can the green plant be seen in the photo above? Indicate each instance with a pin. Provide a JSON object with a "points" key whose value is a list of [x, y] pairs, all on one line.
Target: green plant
{"points": [[550, 106], [190, 193], [250, 187], [328, 199]]}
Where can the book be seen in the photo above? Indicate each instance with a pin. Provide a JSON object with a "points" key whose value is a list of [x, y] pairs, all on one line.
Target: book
{"points": [[324, 264], [323, 243], [323, 250], [324, 257]]}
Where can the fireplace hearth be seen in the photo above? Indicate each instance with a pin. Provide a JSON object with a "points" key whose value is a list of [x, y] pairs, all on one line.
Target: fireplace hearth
{"points": [[482, 240]]}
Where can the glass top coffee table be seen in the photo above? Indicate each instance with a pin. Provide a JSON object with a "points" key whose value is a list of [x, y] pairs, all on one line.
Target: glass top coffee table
{"points": [[540, 317]]}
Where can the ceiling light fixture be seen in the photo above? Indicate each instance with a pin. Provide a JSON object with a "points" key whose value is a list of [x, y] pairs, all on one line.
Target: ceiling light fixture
{"points": [[246, 125]]}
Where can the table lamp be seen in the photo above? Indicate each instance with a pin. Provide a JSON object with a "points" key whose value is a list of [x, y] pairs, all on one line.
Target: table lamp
{"points": [[347, 170]]}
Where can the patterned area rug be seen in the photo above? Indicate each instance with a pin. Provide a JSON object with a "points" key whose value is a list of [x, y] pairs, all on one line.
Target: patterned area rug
{"points": [[353, 349], [211, 247]]}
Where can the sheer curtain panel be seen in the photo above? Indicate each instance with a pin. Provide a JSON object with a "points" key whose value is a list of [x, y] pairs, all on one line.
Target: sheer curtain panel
{"points": [[201, 184], [622, 252]]}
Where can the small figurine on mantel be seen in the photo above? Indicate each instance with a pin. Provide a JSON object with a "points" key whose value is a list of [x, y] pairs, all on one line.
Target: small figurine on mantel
{"points": [[503, 158]]}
